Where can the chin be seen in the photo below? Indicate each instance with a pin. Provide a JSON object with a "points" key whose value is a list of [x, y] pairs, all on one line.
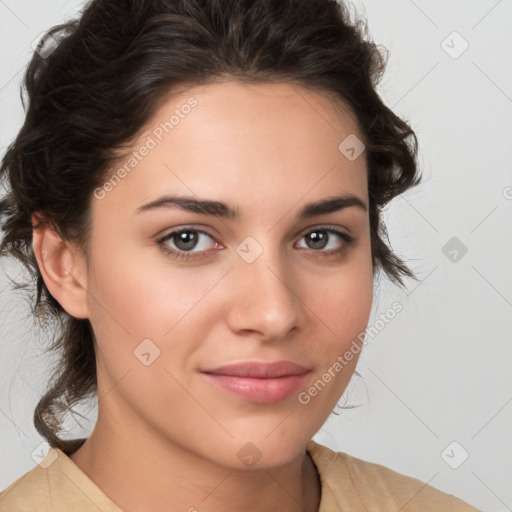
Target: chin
{"points": [[261, 451]]}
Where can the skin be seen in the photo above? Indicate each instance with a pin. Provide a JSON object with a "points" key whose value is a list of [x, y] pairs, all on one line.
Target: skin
{"points": [[165, 438]]}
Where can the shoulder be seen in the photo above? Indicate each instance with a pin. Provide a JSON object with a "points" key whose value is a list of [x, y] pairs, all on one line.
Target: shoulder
{"points": [[29, 490], [373, 486], [56, 484]]}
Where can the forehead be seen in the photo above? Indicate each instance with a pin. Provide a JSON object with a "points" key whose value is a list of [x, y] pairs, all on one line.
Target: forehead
{"points": [[231, 141], [259, 101]]}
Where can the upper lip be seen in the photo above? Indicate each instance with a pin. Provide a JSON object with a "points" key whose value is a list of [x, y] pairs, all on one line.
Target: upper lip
{"points": [[260, 370]]}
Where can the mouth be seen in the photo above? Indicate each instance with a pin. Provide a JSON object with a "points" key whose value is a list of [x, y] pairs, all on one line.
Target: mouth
{"points": [[259, 382]]}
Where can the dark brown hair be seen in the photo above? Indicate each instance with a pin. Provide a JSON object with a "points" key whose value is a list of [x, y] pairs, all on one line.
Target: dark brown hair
{"points": [[91, 95]]}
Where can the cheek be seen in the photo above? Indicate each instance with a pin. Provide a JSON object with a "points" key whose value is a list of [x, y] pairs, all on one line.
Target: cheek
{"points": [[145, 323], [342, 307], [345, 319], [343, 301], [145, 300], [132, 303]]}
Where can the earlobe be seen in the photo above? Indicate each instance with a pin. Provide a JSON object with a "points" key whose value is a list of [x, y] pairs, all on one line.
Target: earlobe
{"points": [[63, 269]]}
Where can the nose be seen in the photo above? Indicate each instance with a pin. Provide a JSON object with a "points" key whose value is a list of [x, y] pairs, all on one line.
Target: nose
{"points": [[264, 298]]}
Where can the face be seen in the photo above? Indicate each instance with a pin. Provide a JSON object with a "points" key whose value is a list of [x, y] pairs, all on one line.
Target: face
{"points": [[176, 292]]}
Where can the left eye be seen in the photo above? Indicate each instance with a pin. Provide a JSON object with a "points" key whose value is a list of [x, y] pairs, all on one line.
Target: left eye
{"points": [[320, 238]]}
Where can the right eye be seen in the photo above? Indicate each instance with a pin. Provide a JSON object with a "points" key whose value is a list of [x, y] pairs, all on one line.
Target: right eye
{"points": [[184, 241]]}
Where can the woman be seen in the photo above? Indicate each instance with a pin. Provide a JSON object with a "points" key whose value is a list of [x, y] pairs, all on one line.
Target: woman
{"points": [[197, 188]]}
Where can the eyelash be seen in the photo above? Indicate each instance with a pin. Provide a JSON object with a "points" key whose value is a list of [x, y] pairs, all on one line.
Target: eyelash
{"points": [[186, 255]]}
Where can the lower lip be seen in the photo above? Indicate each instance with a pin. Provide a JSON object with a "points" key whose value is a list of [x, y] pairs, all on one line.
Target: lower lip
{"points": [[266, 391]]}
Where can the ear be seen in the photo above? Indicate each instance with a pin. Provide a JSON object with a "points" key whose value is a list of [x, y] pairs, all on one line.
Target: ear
{"points": [[63, 268]]}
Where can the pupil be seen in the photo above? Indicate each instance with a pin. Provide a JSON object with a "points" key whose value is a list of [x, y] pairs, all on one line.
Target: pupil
{"points": [[318, 239], [186, 240]]}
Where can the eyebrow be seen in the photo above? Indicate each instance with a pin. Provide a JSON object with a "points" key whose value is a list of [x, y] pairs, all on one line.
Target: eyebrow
{"points": [[223, 210]]}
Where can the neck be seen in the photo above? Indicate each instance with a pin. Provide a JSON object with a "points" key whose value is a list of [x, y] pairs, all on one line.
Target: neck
{"points": [[151, 474]]}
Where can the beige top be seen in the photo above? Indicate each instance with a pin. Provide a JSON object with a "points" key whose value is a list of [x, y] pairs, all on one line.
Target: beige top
{"points": [[349, 484]]}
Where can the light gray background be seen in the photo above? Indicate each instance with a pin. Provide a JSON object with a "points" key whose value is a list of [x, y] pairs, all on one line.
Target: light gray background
{"points": [[440, 371]]}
